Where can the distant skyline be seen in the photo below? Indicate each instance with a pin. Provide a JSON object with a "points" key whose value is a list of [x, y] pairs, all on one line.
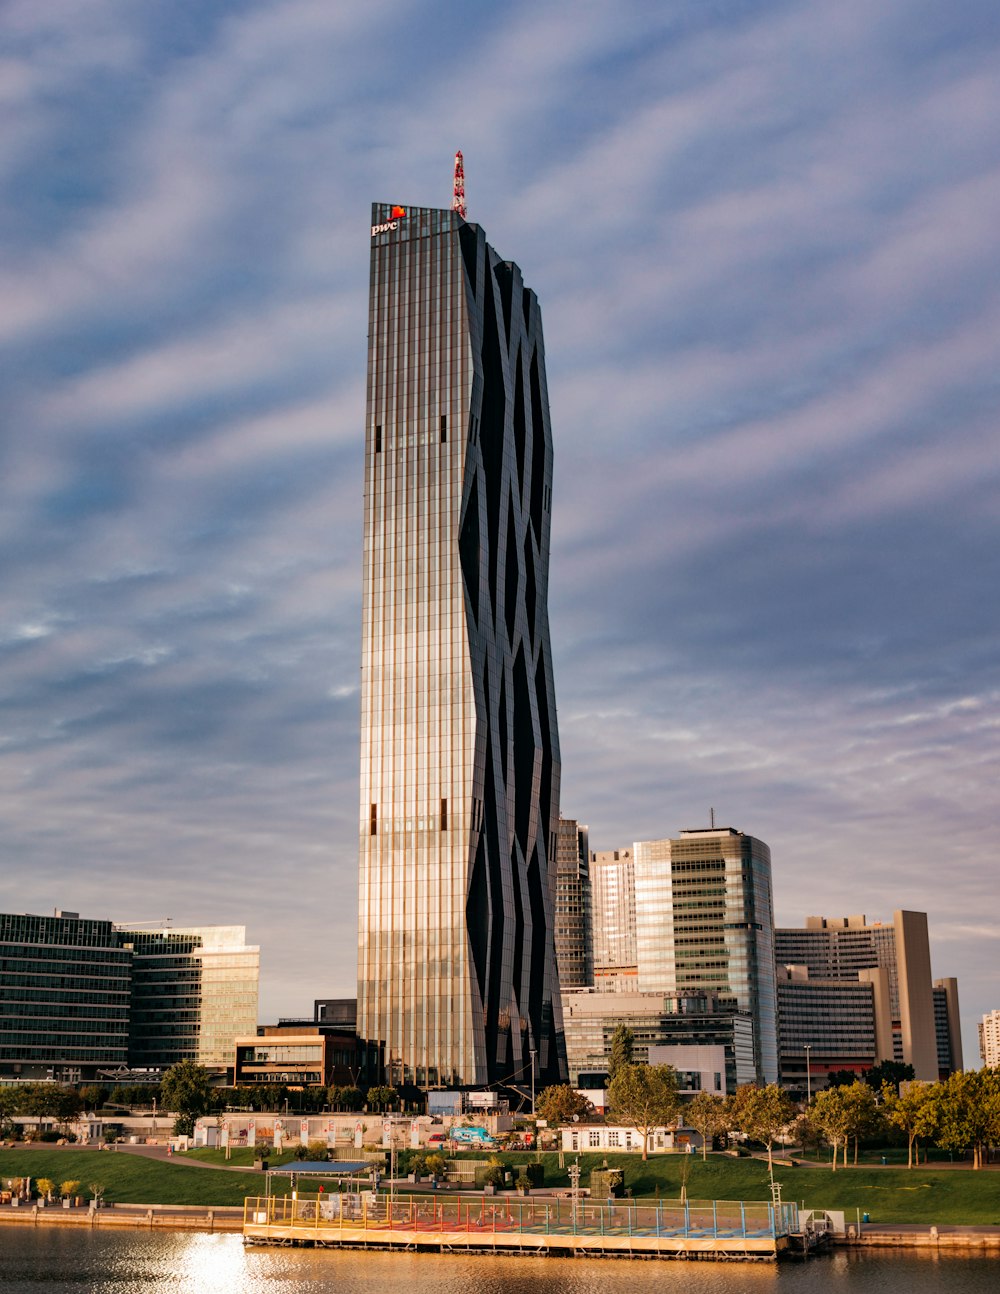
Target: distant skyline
{"points": [[763, 237]]}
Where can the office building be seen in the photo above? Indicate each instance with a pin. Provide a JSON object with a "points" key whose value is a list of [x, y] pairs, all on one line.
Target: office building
{"points": [[923, 1033], [194, 990], [705, 924], [612, 879], [656, 1020], [830, 1026], [65, 990], [304, 1053], [82, 999], [989, 1038], [573, 922], [947, 1026], [459, 802]]}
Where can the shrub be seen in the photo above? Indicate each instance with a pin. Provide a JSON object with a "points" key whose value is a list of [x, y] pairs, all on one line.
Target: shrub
{"points": [[46, 1186], [68, 1189]]}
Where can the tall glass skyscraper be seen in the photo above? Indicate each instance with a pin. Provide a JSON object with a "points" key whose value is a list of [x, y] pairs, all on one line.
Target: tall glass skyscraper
{"points": [[459, 748], [705, 924]]}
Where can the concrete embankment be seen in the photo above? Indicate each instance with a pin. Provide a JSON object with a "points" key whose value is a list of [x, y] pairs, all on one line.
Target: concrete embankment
{"points": [[915, 1236], [154, 1217]]}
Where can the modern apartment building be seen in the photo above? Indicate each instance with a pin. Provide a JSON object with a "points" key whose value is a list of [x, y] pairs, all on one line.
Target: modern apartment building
{"points": [[573, 919], [989, 1038], [83, 999], [459, 803], [912, 1024]]}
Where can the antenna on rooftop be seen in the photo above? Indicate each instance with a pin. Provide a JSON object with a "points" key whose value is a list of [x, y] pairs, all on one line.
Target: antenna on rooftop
{"points": [[458, 193], [711, 815]]}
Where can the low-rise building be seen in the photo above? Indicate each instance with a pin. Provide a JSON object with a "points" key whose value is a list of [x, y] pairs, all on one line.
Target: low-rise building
{"points": [[302, 1053], [597, 1137], [590, 1018]]}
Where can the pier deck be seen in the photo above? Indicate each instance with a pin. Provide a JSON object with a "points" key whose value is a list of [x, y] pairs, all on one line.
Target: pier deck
{"points": [[642, 1228]]}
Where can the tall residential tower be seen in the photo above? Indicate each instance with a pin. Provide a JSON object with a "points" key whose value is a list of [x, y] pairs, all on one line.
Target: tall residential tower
{"points": [[459, 748]]}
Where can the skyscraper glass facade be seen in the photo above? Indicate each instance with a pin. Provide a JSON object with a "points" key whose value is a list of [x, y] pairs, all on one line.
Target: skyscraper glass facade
{"points": [[705, 924], [574, 944], [459, 747]]}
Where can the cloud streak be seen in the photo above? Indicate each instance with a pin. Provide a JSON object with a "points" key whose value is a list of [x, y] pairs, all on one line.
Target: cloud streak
{"points": [[763, 240]]}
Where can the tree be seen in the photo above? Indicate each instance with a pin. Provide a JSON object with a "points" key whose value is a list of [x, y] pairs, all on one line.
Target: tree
{"points": [[345, 1098], [841, 1078], [708, 1115], [913, 1110], [831, 1113], [865, 1115], [761, 1112], [8, 1108], [644, 1097], [186, 1091], [892, 1072], [622, 1047], [968, 1109], [562, 1103], [93, 1096], [380, 1098]]}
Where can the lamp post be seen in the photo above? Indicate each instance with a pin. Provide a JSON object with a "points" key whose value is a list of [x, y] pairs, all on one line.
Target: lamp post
{"points": [[809, 1087], [531, 1053]]}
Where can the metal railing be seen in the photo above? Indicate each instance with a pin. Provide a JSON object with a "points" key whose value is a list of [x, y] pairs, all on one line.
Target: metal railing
{"points": [[661, 1219]]}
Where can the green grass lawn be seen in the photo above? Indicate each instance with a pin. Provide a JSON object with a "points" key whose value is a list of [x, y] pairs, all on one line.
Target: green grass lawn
{"points": [[887, 1194], [130, 1179], [239, 1156]]}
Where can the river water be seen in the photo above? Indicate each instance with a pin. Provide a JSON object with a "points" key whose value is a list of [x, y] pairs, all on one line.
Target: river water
{"points": [[44, 1259]]}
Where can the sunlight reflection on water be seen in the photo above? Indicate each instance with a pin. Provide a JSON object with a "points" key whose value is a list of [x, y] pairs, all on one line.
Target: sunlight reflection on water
{"points": [[50, 1259]]}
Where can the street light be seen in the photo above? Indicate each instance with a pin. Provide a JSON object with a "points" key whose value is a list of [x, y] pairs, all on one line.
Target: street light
{"points": [[809, 1086], [531, 1053]]}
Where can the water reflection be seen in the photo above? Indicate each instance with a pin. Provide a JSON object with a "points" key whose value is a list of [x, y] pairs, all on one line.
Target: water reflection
{"points": [[48, 1259]]}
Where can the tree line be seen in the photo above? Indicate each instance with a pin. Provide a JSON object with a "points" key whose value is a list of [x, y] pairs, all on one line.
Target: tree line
{"points": [[959, 1114]]}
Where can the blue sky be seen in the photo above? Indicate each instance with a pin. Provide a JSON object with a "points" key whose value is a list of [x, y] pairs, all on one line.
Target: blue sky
{"points": [[764, 240]]}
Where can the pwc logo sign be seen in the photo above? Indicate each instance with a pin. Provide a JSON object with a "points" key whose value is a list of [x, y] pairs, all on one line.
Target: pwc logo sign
{"points": [[395, 216]]}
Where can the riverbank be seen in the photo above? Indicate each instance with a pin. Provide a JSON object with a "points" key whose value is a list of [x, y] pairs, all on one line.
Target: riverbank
{"points": [[149, 1217]]}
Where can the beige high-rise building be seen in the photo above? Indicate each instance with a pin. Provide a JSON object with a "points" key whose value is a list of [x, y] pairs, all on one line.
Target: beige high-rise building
{"points": [[923, 1014], [989, 1038]]}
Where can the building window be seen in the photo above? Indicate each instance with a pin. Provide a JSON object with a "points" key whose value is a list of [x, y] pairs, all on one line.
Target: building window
{"points": [[444, 815], [373, 821], [444, 428], [378, 438]]}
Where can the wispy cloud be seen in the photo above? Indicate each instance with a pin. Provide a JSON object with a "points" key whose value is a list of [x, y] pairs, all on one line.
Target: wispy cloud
{"points": [[763, 240]]}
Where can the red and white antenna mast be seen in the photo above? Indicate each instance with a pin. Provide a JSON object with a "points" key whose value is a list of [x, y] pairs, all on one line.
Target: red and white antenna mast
{"points": [[458, 194]]}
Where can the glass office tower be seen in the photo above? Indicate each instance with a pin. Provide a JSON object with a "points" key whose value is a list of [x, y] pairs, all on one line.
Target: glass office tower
{"points": [[459, 749], [705, 924]]}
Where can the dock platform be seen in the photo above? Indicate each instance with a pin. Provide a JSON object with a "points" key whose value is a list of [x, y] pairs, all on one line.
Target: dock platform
{"points": [[717, 1230]]}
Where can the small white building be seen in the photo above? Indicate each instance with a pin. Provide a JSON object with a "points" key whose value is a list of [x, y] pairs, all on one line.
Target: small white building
{"points": [[601, 1136]]}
